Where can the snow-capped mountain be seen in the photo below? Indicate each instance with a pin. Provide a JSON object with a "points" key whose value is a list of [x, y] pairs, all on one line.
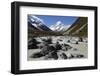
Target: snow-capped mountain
{"points": [[37, 23], [59, 26]]}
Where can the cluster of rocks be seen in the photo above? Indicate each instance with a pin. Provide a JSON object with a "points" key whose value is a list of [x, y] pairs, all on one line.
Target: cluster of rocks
{"points": [[54, 55], [80, 39], [32, 43], [70, 56], [49, 50]]}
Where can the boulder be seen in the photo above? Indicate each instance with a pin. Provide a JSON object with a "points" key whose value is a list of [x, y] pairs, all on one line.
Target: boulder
{"points": [[63, 56]]}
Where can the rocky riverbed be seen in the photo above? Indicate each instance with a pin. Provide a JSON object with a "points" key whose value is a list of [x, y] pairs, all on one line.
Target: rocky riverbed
{"points": [[57, 47]]}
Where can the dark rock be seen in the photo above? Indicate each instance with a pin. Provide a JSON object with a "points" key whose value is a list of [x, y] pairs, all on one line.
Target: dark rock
{"points": [[63, 55], [60, 40], [67, 46], [68, 41], [32, 44], [52, 48], [58, 46], [80, 39], [37, 55], [45, 49], [70, 56], [54, 55], [80, 56], [76, 42], [64, 48], [49, 40]]}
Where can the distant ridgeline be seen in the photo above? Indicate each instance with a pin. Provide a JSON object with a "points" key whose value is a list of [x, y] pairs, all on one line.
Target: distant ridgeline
{"points": [[79, 29], [32, 32]]}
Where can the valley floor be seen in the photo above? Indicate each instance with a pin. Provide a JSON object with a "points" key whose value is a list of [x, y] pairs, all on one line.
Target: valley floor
{"points": [[75, 50]]}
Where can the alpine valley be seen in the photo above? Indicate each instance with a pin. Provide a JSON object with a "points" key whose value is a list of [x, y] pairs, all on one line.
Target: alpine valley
{"points": [[37, 26]]}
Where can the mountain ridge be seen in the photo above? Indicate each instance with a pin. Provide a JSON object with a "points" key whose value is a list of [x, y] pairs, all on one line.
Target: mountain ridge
{"points": [[38, 23], [59, 26]]}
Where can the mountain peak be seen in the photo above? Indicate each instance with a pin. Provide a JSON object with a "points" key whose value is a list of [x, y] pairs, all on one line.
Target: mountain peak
{"points": [[59, 26], [38, 23], [35, 19], [58, 23]]}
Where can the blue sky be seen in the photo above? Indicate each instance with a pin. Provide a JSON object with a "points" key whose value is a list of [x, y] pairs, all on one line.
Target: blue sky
{"points": [[51, 20]]}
